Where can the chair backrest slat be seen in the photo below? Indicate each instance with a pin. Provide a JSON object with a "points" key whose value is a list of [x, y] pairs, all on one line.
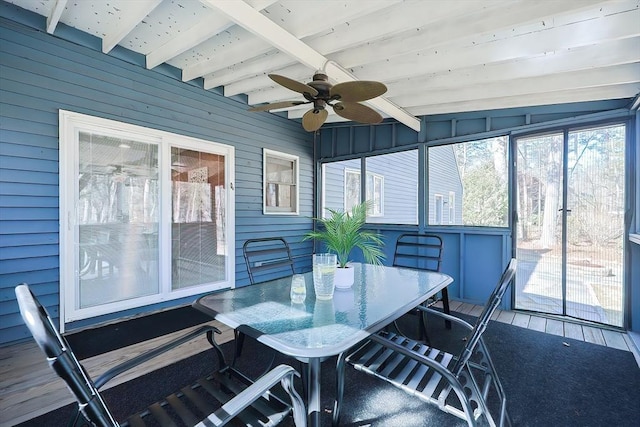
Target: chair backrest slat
{"points": [[481, 324], [423, 251], [268, 254]]}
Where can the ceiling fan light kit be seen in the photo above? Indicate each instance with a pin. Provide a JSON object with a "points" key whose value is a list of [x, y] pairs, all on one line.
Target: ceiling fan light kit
{"points": [[344, 98]]}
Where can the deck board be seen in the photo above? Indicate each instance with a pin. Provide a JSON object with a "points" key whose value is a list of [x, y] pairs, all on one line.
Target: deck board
{"points": [[614, 339], [593, 335], [573, 330], [521, 319], [555, 327], [465, 308], [537, 323], [506, 317]]}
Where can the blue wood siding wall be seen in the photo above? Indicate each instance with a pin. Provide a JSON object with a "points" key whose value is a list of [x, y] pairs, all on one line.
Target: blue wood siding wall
{"points": [[40, 74]]}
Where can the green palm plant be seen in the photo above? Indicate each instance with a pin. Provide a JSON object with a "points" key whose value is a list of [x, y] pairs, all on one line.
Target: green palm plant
{"points": [[342, 232]]}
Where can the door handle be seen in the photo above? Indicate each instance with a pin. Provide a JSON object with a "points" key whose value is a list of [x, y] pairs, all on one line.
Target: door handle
{"points": [[562, 209]]}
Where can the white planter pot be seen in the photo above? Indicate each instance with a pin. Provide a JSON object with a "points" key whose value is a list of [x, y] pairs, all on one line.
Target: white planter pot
{"points": [[344, 277]]}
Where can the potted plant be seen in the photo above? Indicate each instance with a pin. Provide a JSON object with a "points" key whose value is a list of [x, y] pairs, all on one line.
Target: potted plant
{"points": [[341, 232]]}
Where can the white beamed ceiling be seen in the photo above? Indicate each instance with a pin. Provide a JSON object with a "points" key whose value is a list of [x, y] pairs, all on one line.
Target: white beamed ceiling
{"points": [[435, 56]]}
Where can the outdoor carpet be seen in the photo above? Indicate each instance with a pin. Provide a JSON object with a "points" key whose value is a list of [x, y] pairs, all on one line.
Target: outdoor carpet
{"points": [[549, 381]]}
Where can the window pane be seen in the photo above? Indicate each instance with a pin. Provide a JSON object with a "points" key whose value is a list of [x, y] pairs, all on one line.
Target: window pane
{"points": [[392, 186], [280, 196], [341, 185], [438, 208], [198, 235], [280, 170], [117, 218], [374, 194], [280, 186], [474, 175], [351, 189]]}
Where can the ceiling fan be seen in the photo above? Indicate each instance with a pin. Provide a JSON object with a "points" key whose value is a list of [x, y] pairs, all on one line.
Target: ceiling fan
{"points": [[344, 98]]}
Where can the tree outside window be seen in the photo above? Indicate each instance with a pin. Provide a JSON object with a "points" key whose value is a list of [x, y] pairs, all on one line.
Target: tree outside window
{"points": [[475, 176]]}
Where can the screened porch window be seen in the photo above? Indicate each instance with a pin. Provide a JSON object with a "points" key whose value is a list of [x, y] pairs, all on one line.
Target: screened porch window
{"points": [[391, 187], [474, 177]]}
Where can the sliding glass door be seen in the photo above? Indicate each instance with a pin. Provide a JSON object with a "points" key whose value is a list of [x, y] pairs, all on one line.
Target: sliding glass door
{"points": [[570, 228], [147, 216]]}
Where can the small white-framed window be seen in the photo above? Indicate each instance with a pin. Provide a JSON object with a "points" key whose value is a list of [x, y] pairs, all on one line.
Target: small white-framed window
{"points": [[452, 207], [439, 207], [280, 183]]}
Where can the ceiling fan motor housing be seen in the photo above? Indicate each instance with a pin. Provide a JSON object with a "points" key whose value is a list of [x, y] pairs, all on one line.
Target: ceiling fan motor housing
{"points": [[321, 84]]}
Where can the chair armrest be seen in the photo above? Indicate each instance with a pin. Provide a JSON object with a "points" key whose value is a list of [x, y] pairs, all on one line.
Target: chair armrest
{"points": [[136, 361], [446, 316], [281, 373]]}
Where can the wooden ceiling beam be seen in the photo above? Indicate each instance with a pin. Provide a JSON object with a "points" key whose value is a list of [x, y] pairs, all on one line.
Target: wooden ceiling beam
{"points": [[195, 35], [136, 12]]}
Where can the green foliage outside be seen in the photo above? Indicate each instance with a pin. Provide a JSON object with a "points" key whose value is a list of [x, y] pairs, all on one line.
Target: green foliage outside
{"points": [[485, 200]]}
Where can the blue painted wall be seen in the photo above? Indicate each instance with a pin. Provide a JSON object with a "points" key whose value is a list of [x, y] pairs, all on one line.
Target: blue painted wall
{"points": [[40, 74]]}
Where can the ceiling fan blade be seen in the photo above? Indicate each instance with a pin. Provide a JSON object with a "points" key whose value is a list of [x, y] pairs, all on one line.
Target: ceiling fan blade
{"points": [[357, 91], [357, 112], [276, 105], [313, 119], [293, 85]]}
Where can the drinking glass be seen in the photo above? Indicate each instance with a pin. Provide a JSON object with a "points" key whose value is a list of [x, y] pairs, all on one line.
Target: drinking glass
{"points": [[298, 289], [324, 271]]}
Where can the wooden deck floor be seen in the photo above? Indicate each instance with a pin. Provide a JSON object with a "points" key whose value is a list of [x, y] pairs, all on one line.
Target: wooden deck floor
{"points": [[29, 388]]}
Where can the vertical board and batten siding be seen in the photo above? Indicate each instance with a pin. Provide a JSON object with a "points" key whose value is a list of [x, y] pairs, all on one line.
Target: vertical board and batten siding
{"points": [[41, 74], [474, 256]]}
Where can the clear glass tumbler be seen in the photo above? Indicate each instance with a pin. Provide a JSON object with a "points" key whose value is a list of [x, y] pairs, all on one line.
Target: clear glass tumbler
{"points": [[298, 289], [324, 271]]}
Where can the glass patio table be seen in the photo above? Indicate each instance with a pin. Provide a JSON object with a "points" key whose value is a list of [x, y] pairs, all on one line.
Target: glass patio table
{"points": [[318, 329]]}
